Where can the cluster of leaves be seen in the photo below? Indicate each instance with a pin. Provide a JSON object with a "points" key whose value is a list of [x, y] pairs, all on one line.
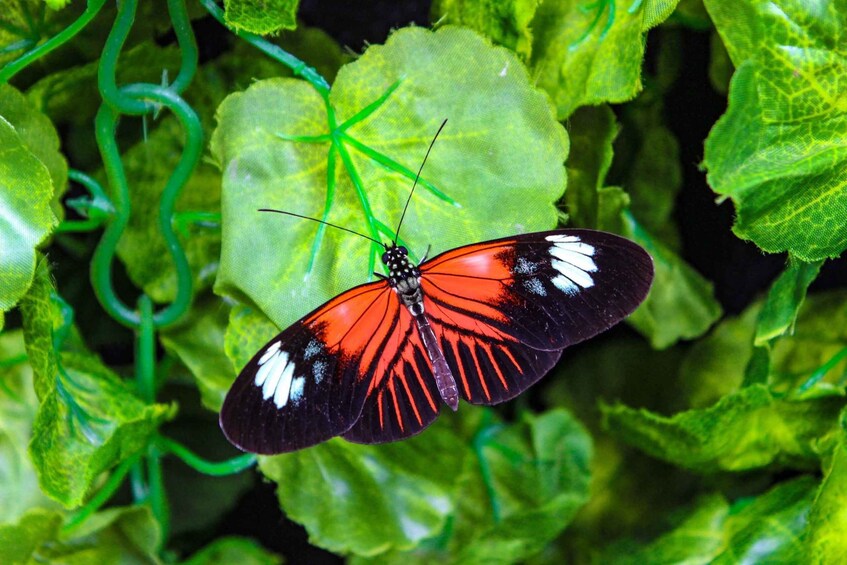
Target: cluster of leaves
{"points": [[716, 438]]}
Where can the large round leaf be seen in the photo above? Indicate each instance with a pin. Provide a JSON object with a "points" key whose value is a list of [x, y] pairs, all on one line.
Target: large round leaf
{"points": [[497, 168]]}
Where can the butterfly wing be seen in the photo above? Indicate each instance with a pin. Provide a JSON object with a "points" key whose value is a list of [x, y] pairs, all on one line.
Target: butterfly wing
{"points": [[310, 382], [404, 398], [504, 310]]}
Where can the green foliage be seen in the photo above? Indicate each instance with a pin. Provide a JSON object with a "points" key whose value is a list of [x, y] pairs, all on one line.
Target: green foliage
{"points": [[777, 152], [88, 419], [680, 304], [117, 535], [261, 17], [232, 550], [695, 438], [30, 168]]}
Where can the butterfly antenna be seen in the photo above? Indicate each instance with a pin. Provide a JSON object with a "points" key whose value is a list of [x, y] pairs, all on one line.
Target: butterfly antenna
{"points": [[321, 222], [414, 184]]}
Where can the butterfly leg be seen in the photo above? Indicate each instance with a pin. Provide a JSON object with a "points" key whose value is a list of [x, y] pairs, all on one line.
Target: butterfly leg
{"points": [[441, 371]]}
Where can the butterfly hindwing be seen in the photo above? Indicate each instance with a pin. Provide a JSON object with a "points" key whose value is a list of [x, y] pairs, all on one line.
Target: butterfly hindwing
{"points": [[504, 310], [404, 400]]}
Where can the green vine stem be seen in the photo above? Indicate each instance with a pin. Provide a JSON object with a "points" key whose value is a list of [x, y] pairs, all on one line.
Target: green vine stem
{"points": [[14, 67], [115, 480], [215, 469], [298, 67]]}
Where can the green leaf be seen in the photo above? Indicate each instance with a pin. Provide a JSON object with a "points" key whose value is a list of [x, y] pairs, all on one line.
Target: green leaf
{"points": [[39, 136], [697, 539], [777, 151], [116, 535], [720, 67], [592, 130], [536, 475], [88, 419], [588, 54], [764, 529], [784, 300], [18, 485], [373, 499], [505, 23], [714, 366], [26, 218], [809, 362], [20, 542], [261, 16], [519, 489], [504, 184], [224, 551], [680, 304], [24, 24], [198, 341], [749, 429], [826, 534], [813, 359]]}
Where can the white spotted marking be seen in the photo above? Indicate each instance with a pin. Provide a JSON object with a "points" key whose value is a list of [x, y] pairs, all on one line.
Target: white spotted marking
{"points": [[281, 393], [524, 267], [578, 260], [297, 389], [275, 366], [312, 349], [565, 285], [575, 274], [573, 260], [534, 286], [274, 347], [319, 370], [265, 368], [562, 238]]}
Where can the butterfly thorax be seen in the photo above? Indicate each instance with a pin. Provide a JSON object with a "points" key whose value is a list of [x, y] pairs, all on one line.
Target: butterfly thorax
{"points": [[404, 278]]}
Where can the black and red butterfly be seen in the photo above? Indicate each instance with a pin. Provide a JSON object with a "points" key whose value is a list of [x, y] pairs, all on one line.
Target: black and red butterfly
{"points": [[482, 322]]}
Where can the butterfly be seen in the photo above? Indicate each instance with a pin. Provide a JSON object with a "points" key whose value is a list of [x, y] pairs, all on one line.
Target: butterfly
{"points": [[480, 322]]}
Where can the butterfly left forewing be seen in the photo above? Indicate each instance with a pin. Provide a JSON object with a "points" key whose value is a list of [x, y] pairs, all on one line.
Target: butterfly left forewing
{"points": [[310, 382]]}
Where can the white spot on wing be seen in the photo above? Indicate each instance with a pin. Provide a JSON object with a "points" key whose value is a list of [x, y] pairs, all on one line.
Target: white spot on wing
{"points": [[524, 267], [274, 347], [275, 367], [573, 260], [562, 238], [264, 369], [565, 285], [297, 389], [319, 370], [575, 274], [534, 286], [312, 349], [281, 394], [578, 260]]}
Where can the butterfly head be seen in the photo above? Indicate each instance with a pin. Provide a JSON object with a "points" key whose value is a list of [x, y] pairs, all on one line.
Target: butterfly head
{"points": [[402, 275]]}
